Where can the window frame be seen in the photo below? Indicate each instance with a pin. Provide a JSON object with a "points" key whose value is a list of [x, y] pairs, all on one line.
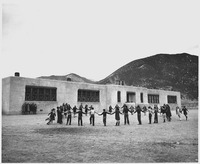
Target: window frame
{"points": [[33, 93], [171, 98], [153, 98], [128, 93], [141, 97], [118, 96], [88, 95]]}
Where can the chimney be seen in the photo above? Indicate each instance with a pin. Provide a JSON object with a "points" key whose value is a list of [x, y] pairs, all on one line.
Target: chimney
{"points": [[17, 74]]}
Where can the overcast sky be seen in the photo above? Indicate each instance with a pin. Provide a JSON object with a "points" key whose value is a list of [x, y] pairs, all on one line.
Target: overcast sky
{"points": [[93, 38]]}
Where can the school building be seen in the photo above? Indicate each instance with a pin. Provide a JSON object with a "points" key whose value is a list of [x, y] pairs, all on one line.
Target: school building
{"points": [[48, 94]]}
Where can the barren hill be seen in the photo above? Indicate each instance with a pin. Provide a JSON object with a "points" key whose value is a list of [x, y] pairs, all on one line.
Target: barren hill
{"points": [[178, 72]]}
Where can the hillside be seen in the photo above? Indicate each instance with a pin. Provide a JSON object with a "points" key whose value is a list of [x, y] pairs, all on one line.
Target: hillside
{"points": [[178, 72], [70, 77]]}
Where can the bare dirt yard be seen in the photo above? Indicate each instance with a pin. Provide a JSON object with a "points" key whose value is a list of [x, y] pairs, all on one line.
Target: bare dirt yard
{"points": [[27, 138]]}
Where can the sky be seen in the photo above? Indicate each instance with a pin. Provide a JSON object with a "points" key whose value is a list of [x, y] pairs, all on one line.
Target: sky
{"points": [[93, 38]]}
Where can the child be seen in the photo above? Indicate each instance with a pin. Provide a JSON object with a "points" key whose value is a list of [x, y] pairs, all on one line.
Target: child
{"points": [[117, 116], [168, 112], [69, 116], [125, 111], [48, 118], [132, 109], [155, 114], [185, 110], [59, 115], [65, 110], [81, 107], [110, 108], [51, 117], [80, 114], [150, 113], [163, 111], [86, 109], [92, 112], [139, 110], [178, 112], [145, 110], [104, 113], [74, 110]]}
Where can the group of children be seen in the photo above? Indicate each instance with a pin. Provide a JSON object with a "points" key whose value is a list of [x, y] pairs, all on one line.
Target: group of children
{"points": [[179, 112], [65, 111]]}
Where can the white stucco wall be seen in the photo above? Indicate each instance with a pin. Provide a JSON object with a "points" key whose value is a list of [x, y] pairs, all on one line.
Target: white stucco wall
{"points": [[13, 94], [5, 95], [112, 95]]}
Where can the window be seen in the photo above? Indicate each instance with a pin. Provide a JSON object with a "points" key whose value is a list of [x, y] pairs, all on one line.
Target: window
{"points": [[37, 93], [88, 95], [172, 99], [118, 96], [130, 97], [141, 97], [153, 98]]}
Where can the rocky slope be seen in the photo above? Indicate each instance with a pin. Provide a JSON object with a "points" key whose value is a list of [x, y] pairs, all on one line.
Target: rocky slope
{"points": [[178, 72]]}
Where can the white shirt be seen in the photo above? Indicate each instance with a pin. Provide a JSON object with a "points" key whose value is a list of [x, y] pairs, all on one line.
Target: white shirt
{"points": [[92, 111]]}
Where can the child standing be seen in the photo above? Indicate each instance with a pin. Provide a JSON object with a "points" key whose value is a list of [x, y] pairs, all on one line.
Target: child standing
{"points": [[125, 111], [86, 109], [74, 110], [110, 108], [65, 110], [92, 112], [168, 112], [132, 109], [69, 116], [163, 111], [80, 120], [150, 113], [155, 114], [59, 115], [139, 110], [178, 112], [117, 116], [145, 110], [104, 113]]}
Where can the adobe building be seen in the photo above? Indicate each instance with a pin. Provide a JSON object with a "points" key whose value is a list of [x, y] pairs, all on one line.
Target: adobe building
{"points": [[48, 94]]}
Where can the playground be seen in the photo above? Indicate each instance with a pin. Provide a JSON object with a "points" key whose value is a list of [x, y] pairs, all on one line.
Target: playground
{"points": [[27, 139]]}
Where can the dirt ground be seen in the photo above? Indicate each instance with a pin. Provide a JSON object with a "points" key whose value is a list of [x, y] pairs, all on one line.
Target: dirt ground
{"points": [[27, 138]]}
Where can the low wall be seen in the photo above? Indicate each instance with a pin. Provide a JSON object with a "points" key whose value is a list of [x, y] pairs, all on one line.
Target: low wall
{"points": [[190, 105]]}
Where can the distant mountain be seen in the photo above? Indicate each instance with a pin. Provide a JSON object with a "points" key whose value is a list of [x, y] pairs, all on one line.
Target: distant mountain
{"points": [[178, 72], [70, 77]]}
